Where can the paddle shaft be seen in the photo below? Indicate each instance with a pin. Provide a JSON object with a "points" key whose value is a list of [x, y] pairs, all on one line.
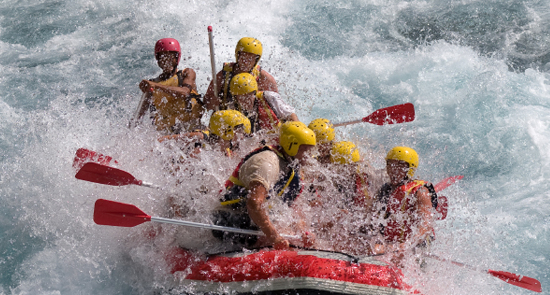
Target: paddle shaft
{"points": [[215, 227], [150, 185], [348, 123], [212, 61], [137, 113]]}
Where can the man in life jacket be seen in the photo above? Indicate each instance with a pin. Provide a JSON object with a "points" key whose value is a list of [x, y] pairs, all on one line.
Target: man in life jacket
{"points": [[247, 53], [172, 97], [265, 109], [226, 130], [268, 172], [406, 203], [324, 132]]}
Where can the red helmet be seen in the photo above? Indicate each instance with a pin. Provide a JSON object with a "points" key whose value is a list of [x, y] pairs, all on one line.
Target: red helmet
{"points": [[168, 44]]}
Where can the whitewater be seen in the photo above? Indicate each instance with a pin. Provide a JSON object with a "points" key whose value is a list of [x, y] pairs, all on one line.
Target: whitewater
{"points": [[476, 71]]}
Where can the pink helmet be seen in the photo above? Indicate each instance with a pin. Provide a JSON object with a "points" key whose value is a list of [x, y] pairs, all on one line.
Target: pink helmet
{"points": [[168, 44]]}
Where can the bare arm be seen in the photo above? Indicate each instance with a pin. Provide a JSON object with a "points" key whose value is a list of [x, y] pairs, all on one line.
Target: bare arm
{"points": [[189, 77], [267, 83], [211, 102], [179, 92], [294, 117], [425, 210], [256, 211], [188, 135]]}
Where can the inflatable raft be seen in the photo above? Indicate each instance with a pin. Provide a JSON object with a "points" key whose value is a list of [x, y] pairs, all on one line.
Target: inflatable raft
{"points": [[284, 272]]}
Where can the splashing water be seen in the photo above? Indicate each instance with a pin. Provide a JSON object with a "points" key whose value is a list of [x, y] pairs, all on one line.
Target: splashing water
{"points": [[475, 71]]}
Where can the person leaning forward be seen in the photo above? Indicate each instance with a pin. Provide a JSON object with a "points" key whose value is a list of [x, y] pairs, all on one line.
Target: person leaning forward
{"points": [[226, 129], [271, 171], [172, 97], [247, 53]]}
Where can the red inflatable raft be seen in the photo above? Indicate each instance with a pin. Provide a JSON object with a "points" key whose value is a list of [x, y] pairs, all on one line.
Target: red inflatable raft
{"points": [[284, 272]]}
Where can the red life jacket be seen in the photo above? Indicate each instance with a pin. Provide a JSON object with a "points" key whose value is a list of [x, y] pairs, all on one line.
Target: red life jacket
{"points": [[267, 120], [361, 189], [402, 213]]}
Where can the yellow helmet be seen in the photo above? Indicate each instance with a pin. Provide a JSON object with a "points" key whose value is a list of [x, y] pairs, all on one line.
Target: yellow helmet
{"points": [[344, 152], [323, 130], [243, 83], [223, 123], [250, 45], [293, 134], [406, 154]]}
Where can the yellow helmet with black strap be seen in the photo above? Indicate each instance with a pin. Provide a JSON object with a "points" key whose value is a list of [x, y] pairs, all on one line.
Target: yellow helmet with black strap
{"points": [[344, 152], [243, 83], [293, 134], [405, 154], [324, 131], [224, 123], [250, 45]]}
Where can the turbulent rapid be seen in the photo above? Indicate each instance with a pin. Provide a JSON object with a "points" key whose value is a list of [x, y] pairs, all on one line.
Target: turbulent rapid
{"points": [[476, 72]]}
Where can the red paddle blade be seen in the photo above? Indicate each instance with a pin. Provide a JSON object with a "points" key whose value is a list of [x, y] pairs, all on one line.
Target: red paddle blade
{"points": [[102, 174], [517, 280], [82, 156], [118, 214], [392, 115], [445, 183], [442, 207]]}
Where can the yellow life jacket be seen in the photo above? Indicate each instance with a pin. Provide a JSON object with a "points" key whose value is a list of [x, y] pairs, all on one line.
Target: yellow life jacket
{"points": [[168, 111]]}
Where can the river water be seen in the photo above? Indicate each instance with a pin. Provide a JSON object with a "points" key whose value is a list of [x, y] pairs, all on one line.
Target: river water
{"points": [[476, 71]]}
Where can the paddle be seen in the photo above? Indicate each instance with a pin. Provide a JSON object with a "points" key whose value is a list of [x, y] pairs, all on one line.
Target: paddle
{"points": [[445, 183], [442, 202], [127, 215], [401, 113], [102, 174], [510, 278], [139, 111], [212, 61], [82, 156]]}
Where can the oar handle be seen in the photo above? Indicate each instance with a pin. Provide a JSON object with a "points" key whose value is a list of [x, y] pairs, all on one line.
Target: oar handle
{"points": [[347, 123], [147, 184], [212, 61], [216, 227]]}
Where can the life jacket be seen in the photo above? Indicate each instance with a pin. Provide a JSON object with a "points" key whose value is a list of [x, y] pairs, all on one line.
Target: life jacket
{"points": [[361, 189], [167, 110], [288, 186], [401, 211], [226, 98], [266, 119]]}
